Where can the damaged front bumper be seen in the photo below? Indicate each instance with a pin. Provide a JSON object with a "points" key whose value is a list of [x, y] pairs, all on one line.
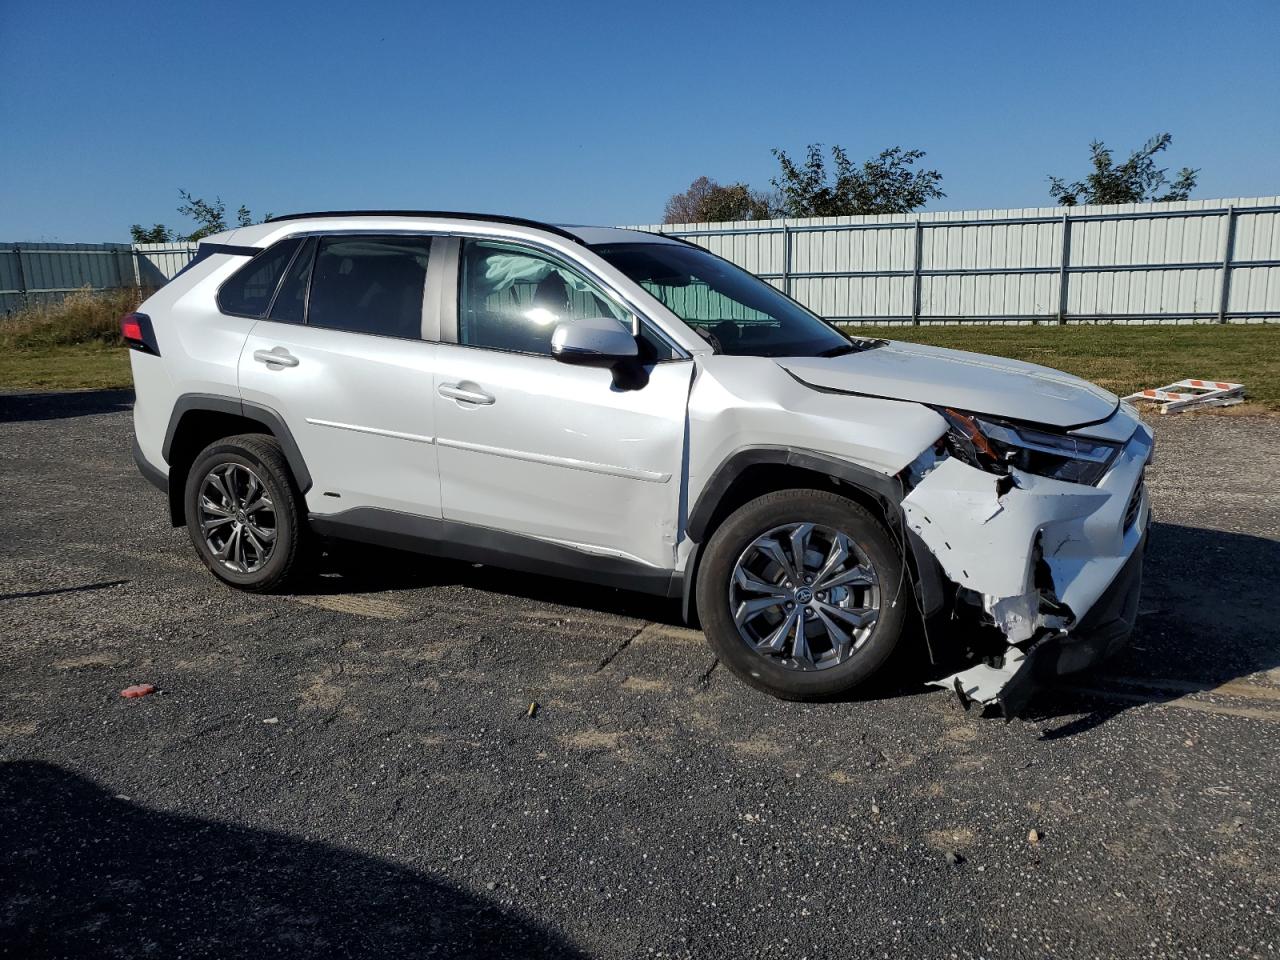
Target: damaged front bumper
{"points": [[1103, 631], [1056, 567]]}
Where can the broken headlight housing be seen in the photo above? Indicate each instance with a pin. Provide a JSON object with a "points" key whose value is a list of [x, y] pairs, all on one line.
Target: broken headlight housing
{"points": [[998, 445]]}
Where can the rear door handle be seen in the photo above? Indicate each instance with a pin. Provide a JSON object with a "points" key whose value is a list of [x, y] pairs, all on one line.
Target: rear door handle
{"points": [[278, 356], [465, 392]]}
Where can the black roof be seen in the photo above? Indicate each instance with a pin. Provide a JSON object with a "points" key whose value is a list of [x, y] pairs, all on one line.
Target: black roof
{"points": [[449, 214]]}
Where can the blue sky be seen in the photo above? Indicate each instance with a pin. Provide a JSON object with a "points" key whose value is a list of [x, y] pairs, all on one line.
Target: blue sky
{"points": [[596, 112]]}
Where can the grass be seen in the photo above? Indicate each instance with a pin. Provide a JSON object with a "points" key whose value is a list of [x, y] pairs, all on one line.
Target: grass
{"points": [[76, 344], [75, 367], [72, 344], [86, 316], [1125, 359]]}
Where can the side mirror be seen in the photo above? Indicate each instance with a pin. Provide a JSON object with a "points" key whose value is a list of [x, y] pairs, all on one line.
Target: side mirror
{"points": [[594, 342]]}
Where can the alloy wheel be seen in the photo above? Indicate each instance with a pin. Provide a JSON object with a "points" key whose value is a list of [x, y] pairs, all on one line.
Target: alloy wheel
{"points": [[237, 517], [805, 596]]}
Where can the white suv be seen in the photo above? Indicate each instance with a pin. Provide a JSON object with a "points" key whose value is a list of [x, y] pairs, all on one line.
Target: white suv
{"points": [[629, 409]]}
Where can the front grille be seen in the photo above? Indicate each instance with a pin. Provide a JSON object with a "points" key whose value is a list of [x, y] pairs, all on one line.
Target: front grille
{"points": [[1135, 503]]}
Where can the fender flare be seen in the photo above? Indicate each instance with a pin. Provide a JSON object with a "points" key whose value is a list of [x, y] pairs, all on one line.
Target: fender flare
{"points": [[880, 485], [264, 415], [922, 565]]}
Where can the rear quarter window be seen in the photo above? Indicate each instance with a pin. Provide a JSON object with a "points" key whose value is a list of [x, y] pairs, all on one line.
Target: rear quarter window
{"points": [[251, 288]]}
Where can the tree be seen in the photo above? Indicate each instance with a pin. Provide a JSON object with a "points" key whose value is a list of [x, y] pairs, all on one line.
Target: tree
{"points": [[736, 201], [156, 233], [685, 207], [210, 217], [709, 202], [885, 184], [1137, 180]]}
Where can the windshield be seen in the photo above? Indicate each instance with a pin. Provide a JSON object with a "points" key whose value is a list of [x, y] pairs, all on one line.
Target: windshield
{"points": [[735, 311]]}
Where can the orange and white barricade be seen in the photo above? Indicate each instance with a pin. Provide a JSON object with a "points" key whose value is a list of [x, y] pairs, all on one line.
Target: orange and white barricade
{"points": [[1192, 393]]}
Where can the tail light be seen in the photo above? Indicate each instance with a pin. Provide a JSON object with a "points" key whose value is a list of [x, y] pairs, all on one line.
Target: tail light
{"points": [[138, 333]]}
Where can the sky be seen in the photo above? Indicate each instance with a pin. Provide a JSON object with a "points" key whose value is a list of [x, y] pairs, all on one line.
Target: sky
{"points": [[596, 112]]}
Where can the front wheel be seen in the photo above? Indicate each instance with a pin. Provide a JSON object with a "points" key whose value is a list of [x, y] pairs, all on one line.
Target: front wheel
{"points": [[802, 594]]}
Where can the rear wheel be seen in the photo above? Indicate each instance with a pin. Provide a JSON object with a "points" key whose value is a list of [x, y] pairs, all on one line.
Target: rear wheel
{"points": [[802, 594], [243, 512]]}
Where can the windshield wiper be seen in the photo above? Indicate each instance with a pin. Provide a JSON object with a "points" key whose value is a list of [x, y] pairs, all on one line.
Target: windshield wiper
{"points": [[841, 350], [710, 337], [856, 346]]}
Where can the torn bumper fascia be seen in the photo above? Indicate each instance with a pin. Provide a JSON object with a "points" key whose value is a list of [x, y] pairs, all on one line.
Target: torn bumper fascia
{"points": [[990, 533]]}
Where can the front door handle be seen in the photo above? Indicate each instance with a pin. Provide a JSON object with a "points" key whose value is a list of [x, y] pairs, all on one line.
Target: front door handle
{"points": [[465, 392], [277, 356]]}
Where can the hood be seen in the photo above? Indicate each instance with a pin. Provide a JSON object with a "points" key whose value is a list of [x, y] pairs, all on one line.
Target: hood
{"points": [[971, 382]]}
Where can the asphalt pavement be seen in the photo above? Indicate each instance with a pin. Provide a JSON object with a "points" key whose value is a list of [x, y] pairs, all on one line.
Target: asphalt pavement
{"points": [[356, 769]]}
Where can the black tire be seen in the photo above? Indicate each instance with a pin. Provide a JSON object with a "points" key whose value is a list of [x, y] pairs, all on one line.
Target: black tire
{"points": [[753, 520], [261, 455]]}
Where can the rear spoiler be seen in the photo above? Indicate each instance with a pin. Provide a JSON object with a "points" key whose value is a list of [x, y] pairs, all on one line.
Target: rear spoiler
{"points": [[206, 250]]}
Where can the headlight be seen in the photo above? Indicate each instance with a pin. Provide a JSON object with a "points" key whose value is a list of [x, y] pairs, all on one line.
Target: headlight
{"points": [[995, 446]]}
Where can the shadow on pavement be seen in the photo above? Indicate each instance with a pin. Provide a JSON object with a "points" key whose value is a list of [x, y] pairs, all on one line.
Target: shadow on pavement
{"points": [[1206, 618], [62, 404], [87, 874], [359, 568], [56, 591]]}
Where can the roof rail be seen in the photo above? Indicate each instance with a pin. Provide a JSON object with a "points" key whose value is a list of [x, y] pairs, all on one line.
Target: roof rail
{"points": [[448, 214]]}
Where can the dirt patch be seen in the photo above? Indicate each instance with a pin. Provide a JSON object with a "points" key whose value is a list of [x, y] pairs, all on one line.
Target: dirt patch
{"points": [[88, 661], [645, 685], [756, 747], [321, 694], [359, 605], [960, 734], [591, 740], [953, 838], [18, 728], [414, 654]]}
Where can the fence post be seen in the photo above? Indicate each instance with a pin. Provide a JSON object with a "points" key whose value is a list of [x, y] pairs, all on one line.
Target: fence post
{"points": [[22, 275], [1228, 253], [918, 237], [1063, 269], [786, 258]]}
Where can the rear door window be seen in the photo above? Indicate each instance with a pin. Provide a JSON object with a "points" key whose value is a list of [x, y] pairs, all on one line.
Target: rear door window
{"points": [[249, 291], [369, 285]]}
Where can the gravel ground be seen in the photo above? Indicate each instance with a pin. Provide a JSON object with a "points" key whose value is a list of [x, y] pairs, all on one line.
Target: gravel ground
{"points": [[354, 769]]}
